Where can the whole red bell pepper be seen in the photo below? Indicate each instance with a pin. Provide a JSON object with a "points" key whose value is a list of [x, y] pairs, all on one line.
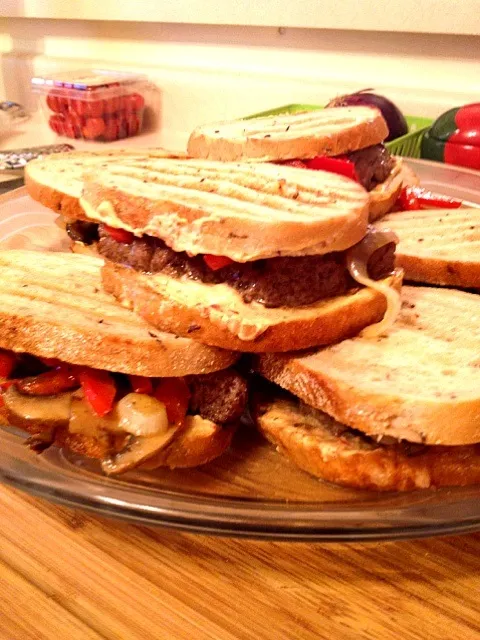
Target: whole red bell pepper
{"points": [[454, 137]]}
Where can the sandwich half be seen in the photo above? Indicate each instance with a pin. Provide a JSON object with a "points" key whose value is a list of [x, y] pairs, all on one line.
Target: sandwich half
{"points": [[344, 140], [249, 257], [438, 246], [80, 371], [397, 412]]}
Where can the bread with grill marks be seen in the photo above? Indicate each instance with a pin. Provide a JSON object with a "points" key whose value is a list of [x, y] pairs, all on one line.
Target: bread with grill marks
{"points": [[53, 305], [56, 181], [438, 246], [243, 211], [288, 136]]}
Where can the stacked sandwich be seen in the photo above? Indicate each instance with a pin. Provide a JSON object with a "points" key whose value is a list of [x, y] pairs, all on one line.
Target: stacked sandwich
{"points": [[253, 254]]}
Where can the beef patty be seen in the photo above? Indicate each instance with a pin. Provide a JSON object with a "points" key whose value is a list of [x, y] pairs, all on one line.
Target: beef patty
{"points": [[220, 396], [372, 165], [276, 282]]}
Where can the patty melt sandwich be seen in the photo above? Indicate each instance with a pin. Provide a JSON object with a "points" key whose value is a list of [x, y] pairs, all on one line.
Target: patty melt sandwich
{"points": [[344, 140], [249, 257], [78, 370], [396, 412]]}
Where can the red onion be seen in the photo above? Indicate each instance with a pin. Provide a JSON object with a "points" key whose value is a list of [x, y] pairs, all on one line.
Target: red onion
{"points": [[395, 119]]}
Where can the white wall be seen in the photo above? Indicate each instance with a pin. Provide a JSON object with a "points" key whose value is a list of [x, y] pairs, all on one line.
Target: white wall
{"points": [[212, 72]]}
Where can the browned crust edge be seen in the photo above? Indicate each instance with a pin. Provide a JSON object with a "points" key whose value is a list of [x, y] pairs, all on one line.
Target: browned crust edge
{"points": [[380, 469], [363, 308]]}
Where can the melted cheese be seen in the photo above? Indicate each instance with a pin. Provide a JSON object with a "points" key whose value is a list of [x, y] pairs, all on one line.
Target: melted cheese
{"points": [[357, 260]]}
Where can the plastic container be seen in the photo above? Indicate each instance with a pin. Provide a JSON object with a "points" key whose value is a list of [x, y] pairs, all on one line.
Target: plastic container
{"points": [[93, 104], [407, 146]]}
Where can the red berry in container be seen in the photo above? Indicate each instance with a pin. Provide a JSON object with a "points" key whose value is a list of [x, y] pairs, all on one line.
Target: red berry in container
{"points": [[122, 128], [113, 104], [134, 102], [111, 129], [94, 108], [133, 124], [57, 124], [93, 128], [73, 125], [52, 103]]}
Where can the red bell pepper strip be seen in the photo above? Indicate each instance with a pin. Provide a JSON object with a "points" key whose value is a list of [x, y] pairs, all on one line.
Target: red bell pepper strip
{"points": [[429, 199], [7, 362], [408, 200], [99, 389], [49, 383], [339, 165], [140, 384], [119, 235], [175, 395], [216, 262], [415, 198]]}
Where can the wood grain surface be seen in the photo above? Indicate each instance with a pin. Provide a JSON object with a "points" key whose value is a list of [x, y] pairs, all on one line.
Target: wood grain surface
{"points": [[65, 574]]}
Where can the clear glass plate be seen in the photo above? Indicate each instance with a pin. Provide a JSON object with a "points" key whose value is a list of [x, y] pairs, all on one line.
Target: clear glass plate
{"points": [[251, 490]]}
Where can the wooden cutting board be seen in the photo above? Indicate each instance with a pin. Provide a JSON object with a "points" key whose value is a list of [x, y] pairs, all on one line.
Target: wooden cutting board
{"points": [[67, 575]]}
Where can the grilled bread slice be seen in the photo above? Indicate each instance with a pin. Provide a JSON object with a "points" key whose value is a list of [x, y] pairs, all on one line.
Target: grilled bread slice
{"points": [[438, 246], [243, 211], [421, 382], [57, 180], [53, 305], [288, 136], [329, 132], [318, 444], [217, 315]]}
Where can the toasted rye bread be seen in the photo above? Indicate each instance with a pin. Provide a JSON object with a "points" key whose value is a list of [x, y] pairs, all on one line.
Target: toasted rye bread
{"points": [[438, 246], [327, 449], [288, 136], [243, 211], [57, 180], [217, 314], [199, 442], [53, 305], [420, 383]]}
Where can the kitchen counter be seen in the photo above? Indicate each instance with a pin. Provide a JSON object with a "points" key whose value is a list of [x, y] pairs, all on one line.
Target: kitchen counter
{"points": [[66, 574]]}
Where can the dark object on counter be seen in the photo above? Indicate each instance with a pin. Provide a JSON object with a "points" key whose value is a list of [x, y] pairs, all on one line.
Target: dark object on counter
{"points": [[14, 110], [454, 137], [397, 125], [15, 159]]}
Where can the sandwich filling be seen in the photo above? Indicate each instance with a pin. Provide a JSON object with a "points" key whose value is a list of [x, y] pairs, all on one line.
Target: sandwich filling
{"points": [[369, 166], [131, 416], [274, 282]]}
